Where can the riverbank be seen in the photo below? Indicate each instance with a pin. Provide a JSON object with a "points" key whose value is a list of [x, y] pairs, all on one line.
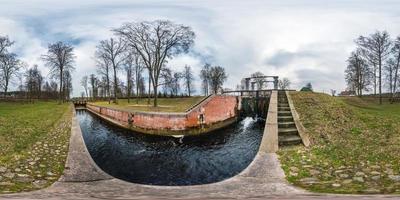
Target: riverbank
{"points": [[34, 144], [355, 146]]}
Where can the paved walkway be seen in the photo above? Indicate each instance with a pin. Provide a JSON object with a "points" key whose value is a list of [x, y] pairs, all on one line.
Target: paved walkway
{"points": [[82, 179]]}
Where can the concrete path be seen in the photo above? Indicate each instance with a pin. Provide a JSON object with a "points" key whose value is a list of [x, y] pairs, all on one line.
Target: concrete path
{"points": [[83, 179]]}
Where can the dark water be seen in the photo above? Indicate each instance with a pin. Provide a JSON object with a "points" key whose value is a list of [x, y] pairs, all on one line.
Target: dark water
{"points": [[159, 160]]}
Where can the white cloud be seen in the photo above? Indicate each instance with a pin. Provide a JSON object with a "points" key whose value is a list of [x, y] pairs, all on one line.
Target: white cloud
{"points": [[305, 40]]}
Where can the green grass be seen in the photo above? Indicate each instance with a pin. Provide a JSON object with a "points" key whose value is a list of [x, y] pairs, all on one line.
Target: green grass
{"points": [[164, 104], [34, 143], [349, 136]]}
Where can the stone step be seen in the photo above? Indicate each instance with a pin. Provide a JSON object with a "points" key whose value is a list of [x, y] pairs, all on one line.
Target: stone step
{"points": [[283, 105], [286, 125], [283, 108], [289, 140], [284, 113], [285, 118], [287, 131]]}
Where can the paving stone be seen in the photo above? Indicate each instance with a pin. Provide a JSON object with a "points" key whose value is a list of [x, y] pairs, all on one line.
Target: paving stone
{"points": [[309, 180], [375, 173], [39, 183], [375, 167], [50, 174], [347, 181], [3, 169], [358, 179], [6, 184], [344, 176], [339, 171], [314, 172], [336, 185], [24, 179], [389, 171], [375, 178], [9, 175], [294, 169], [360, 174], [395, 178], [293, 174]]}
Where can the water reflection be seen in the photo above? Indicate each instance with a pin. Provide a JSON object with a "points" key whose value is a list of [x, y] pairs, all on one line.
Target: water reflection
{"points": [[159, 160]]}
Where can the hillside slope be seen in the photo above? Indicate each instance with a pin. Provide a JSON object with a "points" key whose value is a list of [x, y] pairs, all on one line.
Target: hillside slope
{"points": [[355, 145]]}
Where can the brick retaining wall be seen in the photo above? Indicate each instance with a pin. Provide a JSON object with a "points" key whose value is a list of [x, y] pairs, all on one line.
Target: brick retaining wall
{"points": [[215, 109]]}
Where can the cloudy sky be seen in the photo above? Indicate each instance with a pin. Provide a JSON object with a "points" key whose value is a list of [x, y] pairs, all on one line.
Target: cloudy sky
{"points": [[304, 40]]}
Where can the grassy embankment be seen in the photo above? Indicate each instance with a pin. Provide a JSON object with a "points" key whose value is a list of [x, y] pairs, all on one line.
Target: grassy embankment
{"points": [[355, 145], [34, 144], [164, 104]]}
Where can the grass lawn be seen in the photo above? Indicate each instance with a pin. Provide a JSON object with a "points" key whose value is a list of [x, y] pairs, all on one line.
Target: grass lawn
{"points": [[34, 144], [355, 145], [164, 104]]}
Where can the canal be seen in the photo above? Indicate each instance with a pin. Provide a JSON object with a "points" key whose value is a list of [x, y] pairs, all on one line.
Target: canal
{"points": [[157, 160]]}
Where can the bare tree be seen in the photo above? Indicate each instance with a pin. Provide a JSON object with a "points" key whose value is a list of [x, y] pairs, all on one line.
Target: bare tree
{"points": [[9, 64], [138, 70], [60, 59], [284, 83], [5, 43], [377, 48], [67, 90], [205, 78], [171, 81], [396, 55], [9, 68], [84, 84], [128, 67], [259, 79], [103, 68], [33, 82], [333, 92], [188, 78], [112, 50], [357, 72], [94, 83], [155, 42], [217, 78]]}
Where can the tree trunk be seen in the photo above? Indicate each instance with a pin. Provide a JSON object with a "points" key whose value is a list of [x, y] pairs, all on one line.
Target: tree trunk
{"points": [[137, 88], [396, 75], [155, 95], [108, 93], [115, 84], [380, 80], [375, 77], [61, 87], [5, 89], [148, 95], [128, 87]]}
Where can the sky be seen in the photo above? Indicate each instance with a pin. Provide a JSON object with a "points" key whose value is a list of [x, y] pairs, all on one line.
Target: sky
{"points": [[303, 40]]}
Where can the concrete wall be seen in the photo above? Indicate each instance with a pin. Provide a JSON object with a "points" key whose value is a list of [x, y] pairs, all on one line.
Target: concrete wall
{"points": [[215, 109]]}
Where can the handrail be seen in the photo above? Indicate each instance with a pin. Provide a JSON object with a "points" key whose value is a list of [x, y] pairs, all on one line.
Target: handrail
{"points": [[198, 103]]}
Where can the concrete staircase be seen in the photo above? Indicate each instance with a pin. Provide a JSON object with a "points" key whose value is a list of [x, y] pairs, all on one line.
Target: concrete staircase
{"points": [[287, 131]]}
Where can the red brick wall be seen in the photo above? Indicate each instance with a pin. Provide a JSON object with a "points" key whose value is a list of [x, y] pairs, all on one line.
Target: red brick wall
{"points": [[216, 109]]}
